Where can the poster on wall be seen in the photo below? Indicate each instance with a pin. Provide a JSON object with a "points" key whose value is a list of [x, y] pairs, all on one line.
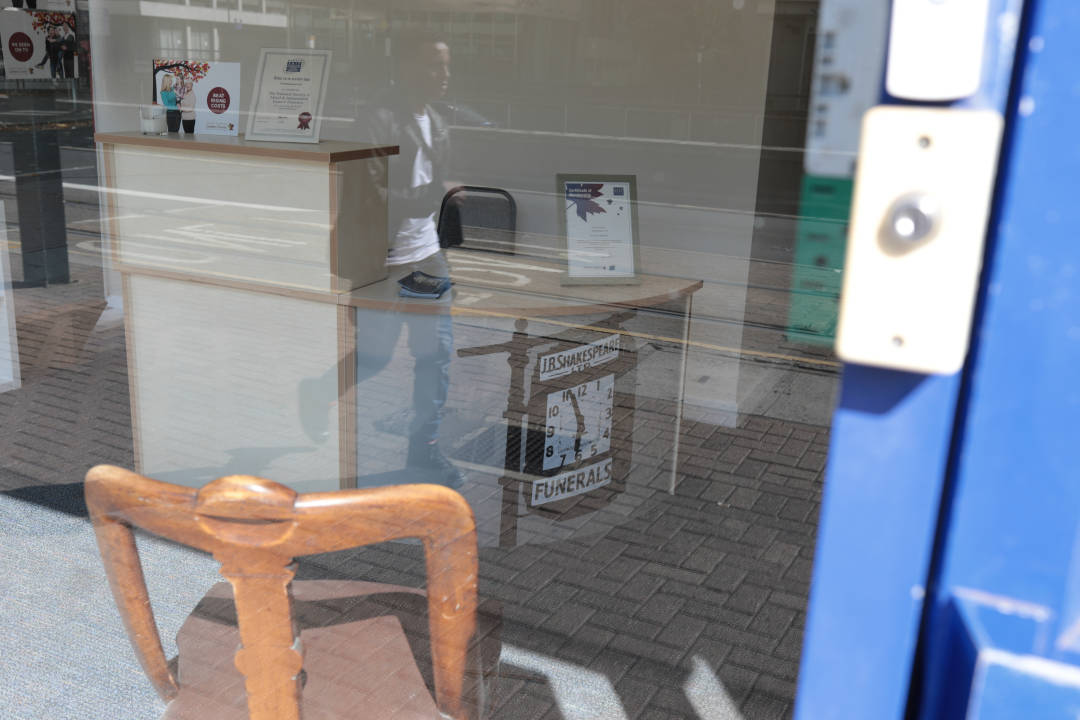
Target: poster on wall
{"points": [[199, 97], [38, 44], [598, 222], [287, 101], [9, 346]]}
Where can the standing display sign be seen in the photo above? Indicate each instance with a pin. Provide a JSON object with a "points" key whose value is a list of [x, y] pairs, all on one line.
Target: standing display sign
{"points": [[580, 422], [598, 223], [10, 378], [199, 97], [287, 101], [847, 77], [38, 44]]}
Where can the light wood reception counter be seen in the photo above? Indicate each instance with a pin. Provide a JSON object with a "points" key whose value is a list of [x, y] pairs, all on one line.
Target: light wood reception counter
{"points": [[222, 243]]}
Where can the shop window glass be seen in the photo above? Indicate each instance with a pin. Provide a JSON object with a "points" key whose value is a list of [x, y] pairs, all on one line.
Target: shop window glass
{"points": [[629, 381]]}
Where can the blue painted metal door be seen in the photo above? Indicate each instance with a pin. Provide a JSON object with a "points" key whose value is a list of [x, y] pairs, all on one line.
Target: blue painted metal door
{"points": [[947, 576]]}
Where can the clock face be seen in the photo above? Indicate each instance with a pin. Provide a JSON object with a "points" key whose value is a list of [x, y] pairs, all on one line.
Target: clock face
{"points": [[578, 422]]}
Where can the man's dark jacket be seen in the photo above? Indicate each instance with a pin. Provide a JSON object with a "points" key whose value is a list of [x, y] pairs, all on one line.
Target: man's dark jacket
{"points": [[393, 123]]}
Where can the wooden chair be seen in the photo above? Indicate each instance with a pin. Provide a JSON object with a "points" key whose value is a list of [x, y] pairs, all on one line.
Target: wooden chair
{"points": [[255, 528]]}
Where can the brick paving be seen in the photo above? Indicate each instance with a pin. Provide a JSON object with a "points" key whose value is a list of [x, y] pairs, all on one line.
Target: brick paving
{"points": [[718, 571]]}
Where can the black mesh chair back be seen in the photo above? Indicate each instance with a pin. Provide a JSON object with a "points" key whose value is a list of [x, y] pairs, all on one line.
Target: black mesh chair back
{"points": [[479, 218]]}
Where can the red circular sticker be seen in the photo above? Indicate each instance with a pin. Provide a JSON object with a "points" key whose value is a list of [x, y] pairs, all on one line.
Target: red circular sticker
{"points": [[217, 100], [20, 46]]}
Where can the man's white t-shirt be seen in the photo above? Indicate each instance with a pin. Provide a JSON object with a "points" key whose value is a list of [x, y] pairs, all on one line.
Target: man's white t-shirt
{"points": [[417, 238]]}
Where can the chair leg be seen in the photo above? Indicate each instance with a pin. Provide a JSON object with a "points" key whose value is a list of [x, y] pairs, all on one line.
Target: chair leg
{"points": [[452, 615], [270, 658]]}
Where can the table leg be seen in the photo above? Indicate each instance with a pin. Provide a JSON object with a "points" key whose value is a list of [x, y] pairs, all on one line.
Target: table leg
{"points": [[518, 360], [682, 392], [346, 396]]}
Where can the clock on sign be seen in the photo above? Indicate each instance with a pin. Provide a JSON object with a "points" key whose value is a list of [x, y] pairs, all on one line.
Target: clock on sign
{"points": [[580, 423]]}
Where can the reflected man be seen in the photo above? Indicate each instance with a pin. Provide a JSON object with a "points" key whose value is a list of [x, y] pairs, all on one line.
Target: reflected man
{"points": [[417, 182]]}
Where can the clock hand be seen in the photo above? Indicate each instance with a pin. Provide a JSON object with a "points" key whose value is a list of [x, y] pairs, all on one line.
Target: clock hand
{"points": [[580, 417]]}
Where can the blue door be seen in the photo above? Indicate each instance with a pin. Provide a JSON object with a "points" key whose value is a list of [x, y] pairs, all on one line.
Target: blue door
{"points": [[947, 575]]}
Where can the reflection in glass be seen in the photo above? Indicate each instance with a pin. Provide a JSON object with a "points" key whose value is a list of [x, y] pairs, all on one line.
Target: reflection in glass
{"points": [[642, 463]]}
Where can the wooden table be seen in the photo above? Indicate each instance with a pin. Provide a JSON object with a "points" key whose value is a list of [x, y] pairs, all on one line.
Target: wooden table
{"points": [[167, 321]]}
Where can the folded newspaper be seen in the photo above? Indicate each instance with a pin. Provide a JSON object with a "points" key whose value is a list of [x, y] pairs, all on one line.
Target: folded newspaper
{"points": [[419, 284]]}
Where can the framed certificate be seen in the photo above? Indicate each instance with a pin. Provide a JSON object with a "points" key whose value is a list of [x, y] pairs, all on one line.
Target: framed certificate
{"points": [[598, 224], [287, 101]]}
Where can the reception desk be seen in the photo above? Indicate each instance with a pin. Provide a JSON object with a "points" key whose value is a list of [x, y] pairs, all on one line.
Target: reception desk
{"points": [[234, 256]]}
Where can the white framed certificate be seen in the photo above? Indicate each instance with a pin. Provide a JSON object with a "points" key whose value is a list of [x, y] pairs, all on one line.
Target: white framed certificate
{"points": [[287, 100], [598, 223]]}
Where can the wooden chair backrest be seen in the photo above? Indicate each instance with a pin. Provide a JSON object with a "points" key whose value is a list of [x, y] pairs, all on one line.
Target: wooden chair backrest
{"points": [[255, 528]]}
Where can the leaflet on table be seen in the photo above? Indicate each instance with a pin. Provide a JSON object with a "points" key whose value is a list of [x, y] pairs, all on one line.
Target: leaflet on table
{"points": [[599, 229], [199, 97], [286, 103], [39, 44]]}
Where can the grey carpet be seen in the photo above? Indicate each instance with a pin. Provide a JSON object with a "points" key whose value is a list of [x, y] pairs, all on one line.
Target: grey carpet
{"points": [[64, 654]]}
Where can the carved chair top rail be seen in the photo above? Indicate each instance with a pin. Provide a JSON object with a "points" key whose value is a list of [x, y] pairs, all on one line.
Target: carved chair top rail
{"points": [[246, 511]]}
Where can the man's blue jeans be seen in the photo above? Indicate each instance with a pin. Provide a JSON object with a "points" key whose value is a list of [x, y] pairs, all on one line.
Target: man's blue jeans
{"points": [[431, 342]]}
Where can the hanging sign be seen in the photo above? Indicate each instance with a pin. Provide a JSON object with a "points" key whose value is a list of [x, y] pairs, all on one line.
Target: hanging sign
{"points": [[576, 359], [569, 484]]}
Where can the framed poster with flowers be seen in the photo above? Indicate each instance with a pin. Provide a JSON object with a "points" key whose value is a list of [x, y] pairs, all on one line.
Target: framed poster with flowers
{"points": [[199, 97], [38, 44]]}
